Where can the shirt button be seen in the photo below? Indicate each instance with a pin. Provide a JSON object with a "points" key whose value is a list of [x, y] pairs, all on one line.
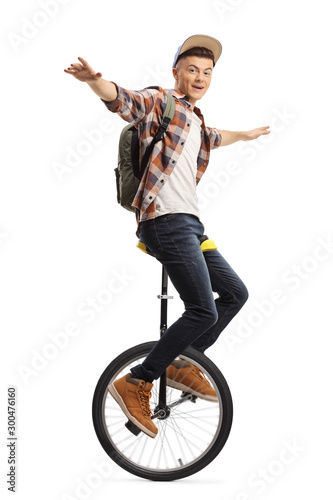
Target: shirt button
{"points": [[173, 161], [162, 181], [188, 124], [182, 144], [150, 197]]}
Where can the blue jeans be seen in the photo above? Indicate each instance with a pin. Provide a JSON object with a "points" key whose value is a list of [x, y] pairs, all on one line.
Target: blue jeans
{"points": [[174, 240]]}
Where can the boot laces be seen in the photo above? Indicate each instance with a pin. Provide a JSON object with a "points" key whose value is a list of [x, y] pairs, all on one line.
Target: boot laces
{"points": [[144, 399]]}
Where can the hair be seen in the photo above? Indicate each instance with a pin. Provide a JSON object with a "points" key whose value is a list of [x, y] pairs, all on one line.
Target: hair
{"points": [[199, 52]]}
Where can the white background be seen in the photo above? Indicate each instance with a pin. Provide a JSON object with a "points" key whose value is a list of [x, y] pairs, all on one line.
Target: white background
{"points": [[62, 238]]}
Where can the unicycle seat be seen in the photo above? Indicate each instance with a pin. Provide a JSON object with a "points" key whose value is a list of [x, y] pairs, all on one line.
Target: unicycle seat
{"points": [[205, 243]]}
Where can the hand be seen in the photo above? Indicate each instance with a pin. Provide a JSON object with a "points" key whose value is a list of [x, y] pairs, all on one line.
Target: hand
{"points": [[255, 133], [83, 72]]}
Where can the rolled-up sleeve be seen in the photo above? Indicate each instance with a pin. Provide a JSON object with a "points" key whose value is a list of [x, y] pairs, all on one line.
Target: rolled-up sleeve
{"points": [[132, 105], [215, 137]]}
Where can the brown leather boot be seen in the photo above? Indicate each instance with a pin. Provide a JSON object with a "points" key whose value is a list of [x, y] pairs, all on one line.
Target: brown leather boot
{"points": [[187, 377], [132, 395]]}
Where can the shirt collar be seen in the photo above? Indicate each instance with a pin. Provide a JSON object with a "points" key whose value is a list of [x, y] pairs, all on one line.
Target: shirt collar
{"points": [[179, 95], [184, 98]]}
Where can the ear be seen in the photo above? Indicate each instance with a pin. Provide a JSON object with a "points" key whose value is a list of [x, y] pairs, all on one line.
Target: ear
{"points": [[175, 73]]}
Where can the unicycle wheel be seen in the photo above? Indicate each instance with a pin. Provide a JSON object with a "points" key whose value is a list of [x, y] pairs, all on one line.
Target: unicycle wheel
{"points": [[191, 433]]}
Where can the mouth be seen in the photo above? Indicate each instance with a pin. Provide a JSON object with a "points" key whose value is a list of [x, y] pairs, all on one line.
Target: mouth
{"points": [[198, 88]]}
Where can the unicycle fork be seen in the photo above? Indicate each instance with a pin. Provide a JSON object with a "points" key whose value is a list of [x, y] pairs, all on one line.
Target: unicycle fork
{"points": [[164, 297]]}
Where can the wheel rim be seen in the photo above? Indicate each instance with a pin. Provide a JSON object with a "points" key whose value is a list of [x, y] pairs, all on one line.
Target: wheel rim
{"points": [[183, 438]]}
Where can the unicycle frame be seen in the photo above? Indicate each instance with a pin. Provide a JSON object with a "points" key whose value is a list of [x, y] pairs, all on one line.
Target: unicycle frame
{"points": [[163, 326], [162, 461]]}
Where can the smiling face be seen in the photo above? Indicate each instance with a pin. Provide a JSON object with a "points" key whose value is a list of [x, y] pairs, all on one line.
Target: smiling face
{"points": [[193, 77]]}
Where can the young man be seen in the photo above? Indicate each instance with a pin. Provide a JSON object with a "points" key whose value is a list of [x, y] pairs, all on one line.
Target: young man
{"points": [[169, 221]]}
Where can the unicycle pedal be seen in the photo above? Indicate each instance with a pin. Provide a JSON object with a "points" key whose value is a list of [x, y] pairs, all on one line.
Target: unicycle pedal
{"points": [[132, 428], [189, 396]]}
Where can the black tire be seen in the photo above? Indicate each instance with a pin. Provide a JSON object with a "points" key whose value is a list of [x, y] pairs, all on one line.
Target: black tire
{"points": [[222, 420]]}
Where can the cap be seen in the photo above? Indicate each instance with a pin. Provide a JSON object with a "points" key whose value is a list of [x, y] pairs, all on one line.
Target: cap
{"points": [[200, 41]]}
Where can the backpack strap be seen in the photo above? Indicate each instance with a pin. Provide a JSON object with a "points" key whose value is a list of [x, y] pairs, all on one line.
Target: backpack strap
{"points": [[168, 115], [170, 107]]}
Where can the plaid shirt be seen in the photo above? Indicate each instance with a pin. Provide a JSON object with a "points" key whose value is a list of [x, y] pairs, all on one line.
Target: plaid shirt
{"points": [[144, 109]]}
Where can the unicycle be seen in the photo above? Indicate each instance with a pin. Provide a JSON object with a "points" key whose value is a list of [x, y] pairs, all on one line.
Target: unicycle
{"points": [[191, 431]]}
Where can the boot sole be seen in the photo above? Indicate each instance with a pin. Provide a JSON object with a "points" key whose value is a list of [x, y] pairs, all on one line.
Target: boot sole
{"points": [[182, 387], [116, 396]]}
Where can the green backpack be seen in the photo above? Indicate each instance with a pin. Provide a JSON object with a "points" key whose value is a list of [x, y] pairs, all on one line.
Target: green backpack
{"points": [[129, 172]]}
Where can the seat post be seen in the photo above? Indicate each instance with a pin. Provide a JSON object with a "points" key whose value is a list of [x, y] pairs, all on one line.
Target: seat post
{"points": [[164, 301]]}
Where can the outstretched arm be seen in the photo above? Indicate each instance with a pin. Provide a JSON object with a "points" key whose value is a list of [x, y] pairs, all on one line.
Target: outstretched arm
{"points": [[84, 73], [229, 137]]}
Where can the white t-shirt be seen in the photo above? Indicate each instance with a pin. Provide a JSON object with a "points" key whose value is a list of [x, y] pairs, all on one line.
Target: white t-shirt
{"points": [[179, 195]]}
